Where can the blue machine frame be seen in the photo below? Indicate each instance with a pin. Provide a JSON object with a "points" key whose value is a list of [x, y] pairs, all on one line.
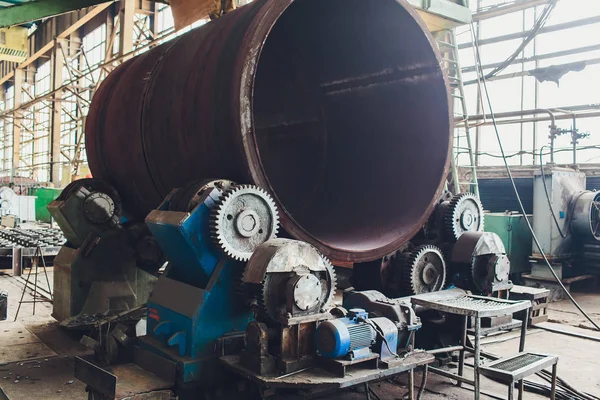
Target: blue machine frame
{"points": [[195, 301]]}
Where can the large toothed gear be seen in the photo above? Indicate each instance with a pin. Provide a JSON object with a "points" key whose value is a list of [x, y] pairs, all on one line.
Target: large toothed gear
{"points": [[422, 271], [464, 214], [286, 279], [242, 219]]}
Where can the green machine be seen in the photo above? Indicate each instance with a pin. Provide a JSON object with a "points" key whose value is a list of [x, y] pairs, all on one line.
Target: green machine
{"points": [[512, 229]]}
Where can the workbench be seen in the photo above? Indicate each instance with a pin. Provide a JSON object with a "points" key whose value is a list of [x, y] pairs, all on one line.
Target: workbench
{"points": [[459, 302]]}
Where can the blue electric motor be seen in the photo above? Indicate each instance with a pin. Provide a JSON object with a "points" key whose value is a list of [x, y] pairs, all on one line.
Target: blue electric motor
{"points": [[355, 337]]}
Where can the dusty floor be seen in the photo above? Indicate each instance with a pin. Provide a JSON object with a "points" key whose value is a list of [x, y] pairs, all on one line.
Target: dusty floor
{"points": [[36, 356]]}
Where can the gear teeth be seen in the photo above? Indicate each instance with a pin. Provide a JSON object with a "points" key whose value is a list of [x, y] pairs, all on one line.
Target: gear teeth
{"points": [[333, 283], [451, 226], [409, 286], [217, 214]]}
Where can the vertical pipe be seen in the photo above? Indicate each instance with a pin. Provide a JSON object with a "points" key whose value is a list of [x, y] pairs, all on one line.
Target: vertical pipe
{"points": [[522, 96], [479, 99], [574, 139], [536, 92]]}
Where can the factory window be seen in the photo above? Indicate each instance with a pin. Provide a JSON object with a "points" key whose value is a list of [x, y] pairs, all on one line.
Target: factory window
{"points": [[572, 52], [164, 19]]}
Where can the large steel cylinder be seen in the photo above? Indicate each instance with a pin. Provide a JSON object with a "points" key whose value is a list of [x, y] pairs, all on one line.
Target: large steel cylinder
{"points": [[338, 108]]}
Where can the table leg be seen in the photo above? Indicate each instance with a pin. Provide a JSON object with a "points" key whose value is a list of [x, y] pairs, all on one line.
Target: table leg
{"points": [[411, 384], [521, 389], [524, 331], [461, 357], [553, 392], [511, 394], [477, 356]]}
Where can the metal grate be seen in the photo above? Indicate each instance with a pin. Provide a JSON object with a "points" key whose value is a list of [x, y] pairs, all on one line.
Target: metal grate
{"points": [[518, 362], [474, 304]]}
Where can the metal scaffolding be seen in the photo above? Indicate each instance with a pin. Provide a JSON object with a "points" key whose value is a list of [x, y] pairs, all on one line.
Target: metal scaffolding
{"points": [[47, 97]]}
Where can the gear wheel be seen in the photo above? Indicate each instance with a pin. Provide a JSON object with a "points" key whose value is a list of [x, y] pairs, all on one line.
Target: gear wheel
{"points": [[242, 219], [423, 271], [464, 214], [268, 301]]}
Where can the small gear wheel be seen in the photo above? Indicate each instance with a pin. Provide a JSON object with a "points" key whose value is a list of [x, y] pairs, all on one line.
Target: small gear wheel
{"points": [[268, 300], [242, 219], [464, 214], [423, 271]]}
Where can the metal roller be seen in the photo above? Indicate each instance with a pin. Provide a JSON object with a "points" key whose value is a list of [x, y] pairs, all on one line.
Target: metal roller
{"points": [[345, 120]]}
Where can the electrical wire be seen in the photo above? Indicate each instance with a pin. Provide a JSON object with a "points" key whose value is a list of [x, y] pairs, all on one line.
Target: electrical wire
{"points": [[539, 24], [514, 186], [423, 382]]}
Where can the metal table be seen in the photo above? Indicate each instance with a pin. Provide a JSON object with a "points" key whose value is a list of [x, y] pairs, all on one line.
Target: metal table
{"points": [[516, 368], [459, 302]]}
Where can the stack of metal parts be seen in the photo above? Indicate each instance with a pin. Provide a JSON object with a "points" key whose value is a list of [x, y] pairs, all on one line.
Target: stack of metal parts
{"points": [[49, 239]]}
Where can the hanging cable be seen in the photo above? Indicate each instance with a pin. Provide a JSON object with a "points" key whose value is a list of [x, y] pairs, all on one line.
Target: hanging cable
{"points": [[539, 24], [514, 186], [423, 382]]}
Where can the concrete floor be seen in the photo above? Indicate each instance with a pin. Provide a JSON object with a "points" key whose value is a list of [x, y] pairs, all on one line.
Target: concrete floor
{"points": [[36, 356]]}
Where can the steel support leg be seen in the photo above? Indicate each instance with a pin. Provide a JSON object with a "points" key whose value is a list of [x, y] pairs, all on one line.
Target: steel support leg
{"points": [[477, 357], [524, 331], [511, 394], [553, 392], [411, 384], [461, 359], [521, 389], [17, 261]]}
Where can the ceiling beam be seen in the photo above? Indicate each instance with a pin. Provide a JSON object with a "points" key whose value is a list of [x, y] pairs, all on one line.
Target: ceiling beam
{"points": [[507, 8], [546, 29], [63, 35], [35, 10]]}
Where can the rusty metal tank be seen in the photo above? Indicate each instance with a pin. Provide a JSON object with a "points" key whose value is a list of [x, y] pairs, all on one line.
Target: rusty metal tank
{"points": [[338, 108]]}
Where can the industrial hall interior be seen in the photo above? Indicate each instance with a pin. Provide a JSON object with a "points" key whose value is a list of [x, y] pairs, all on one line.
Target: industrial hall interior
{"points": [[299, 199]]}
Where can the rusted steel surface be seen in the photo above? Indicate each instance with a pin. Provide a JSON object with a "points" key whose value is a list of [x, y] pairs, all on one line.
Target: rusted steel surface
{"points": [[339, 109]]}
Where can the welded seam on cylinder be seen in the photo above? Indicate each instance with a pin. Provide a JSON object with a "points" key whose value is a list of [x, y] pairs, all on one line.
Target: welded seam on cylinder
{"points": [[374, 80], [148, 82]]}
